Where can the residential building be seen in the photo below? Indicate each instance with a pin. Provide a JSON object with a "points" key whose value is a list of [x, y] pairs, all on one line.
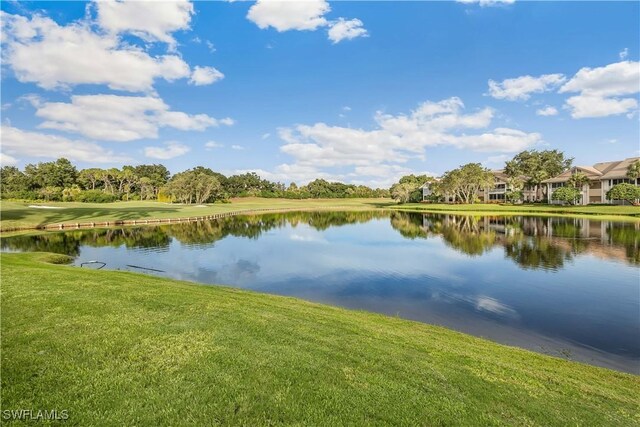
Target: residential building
{"points": [[602, 176], [496, 193]]}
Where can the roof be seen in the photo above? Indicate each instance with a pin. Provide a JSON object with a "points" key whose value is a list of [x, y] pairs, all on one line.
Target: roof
{"points": [[603, 170], [618, 169]]}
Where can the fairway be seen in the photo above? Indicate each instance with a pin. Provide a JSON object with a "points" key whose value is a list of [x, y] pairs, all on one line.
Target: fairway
{"points": [[125, 348], [24, 216]]}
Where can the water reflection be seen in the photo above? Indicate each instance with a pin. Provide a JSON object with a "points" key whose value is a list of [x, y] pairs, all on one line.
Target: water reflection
{"points": [[531, 242], [559, 285]]}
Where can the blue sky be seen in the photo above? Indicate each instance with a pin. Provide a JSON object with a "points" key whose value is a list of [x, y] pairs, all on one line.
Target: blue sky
{"points": [[360, 92]]}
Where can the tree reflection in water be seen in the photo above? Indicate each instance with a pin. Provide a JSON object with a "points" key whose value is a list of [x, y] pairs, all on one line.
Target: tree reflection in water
{"points": [[531, 242]]}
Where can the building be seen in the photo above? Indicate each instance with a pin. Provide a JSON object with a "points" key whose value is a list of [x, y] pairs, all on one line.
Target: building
{"points": [[602, 176], [494, 194]]}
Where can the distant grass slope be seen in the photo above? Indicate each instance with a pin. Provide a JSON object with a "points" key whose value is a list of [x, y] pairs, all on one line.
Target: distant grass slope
{"points": [[117, 348], [18, 215]]}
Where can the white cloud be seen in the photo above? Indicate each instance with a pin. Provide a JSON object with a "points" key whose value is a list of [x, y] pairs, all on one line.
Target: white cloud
{"points": [[547, 111], [603, 91], [521, 88], [169, 151], [40, 51], [7, 160], [624, 53], [227, 121], [395, 140], [498, 160], [285, 15], [149, 20], [119, 118], [346, 29], [237, 147], [484, 3], [346, 108], [587, 106], [32, 144], [205, 76], [32, 99], [266, 135], [212, 144]]}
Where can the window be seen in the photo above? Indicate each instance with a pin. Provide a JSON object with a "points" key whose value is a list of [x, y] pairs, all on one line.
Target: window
{"points": [[555, 185], [613, 182], [499, 196]]}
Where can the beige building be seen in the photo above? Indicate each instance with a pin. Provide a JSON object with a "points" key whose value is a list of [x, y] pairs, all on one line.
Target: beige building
{"points": [[494, 194], [602, 176]]}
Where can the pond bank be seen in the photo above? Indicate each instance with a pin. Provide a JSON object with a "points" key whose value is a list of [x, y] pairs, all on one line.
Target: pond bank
{"points": [[249, 358]]}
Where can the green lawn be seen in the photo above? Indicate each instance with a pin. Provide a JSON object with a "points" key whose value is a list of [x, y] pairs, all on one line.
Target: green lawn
{"points": [[118, 348], [19, 215], [613, 212]]}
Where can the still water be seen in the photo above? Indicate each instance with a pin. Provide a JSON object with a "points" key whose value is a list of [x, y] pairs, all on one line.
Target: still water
{"points": [[566, 287]]}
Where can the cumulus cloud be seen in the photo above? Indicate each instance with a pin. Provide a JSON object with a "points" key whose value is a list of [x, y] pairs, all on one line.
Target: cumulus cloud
{"points": [[168, 151], [40, 51], [303, 15], [205, 76], [149, 20], [119, 118], [237, 147], [547, 111], [346, 29], [624, 53], [33, 144], [603, 91], [7, 160], [521, 88], [285, 15], [396, 139]]}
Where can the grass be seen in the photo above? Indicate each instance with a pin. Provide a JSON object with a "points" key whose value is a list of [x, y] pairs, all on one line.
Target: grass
{"points": [[118, 348], [605, 212], [19, 216]]}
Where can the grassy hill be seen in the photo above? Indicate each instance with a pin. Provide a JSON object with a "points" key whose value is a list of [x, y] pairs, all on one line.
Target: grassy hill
{"points": [[118, 348]]}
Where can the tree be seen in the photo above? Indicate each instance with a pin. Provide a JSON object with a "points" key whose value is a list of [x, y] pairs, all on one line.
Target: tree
{"points": [[624, 191], [157, 176], [192, 186], [13, 181], [88, 178], [60, 173], [514, 192], [633, 171], [578, 180], [536, 166], [567, 194], [465, 182], [402, 192]]}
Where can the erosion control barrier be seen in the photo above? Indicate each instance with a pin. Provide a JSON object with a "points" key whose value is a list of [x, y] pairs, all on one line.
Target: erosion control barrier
{"points": [[115, 223]]}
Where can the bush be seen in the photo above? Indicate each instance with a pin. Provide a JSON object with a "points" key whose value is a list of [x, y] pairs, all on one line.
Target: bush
{"points": [[624, 191], [95, 196], [566, 194]]}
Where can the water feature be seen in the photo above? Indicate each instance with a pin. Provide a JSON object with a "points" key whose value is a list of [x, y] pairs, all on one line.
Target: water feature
{"points": [[563, 286]]}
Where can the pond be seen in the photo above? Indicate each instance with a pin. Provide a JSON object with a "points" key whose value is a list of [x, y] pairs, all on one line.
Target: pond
{"points": [[561, 286]]}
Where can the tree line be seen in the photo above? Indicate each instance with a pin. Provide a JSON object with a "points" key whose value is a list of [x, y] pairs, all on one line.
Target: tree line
{"points": [[527, 170], [60, 180]]}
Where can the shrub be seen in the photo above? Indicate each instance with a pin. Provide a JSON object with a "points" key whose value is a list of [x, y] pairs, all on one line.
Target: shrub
{"points": [[566, 194], [624, 191], [95, 196]]}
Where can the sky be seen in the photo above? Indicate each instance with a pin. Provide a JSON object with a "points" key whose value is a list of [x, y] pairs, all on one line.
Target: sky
{"points": [[355, 91]]}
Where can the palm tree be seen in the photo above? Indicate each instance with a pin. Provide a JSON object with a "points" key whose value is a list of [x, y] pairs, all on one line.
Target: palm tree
{"points": [[634, 170], [578, 180]]}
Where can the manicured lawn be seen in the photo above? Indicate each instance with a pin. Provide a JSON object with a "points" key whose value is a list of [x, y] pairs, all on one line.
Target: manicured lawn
{"points": [[613, 212], [17, 215], [117, 348]]}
